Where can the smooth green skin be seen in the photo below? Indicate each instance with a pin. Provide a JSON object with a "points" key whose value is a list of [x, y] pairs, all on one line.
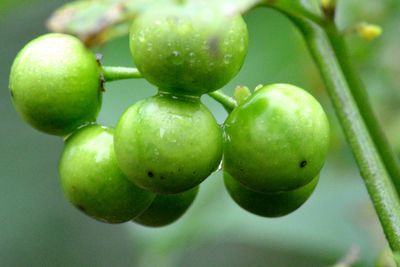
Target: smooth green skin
{"points": [[269, 204], [168, 145], [188, 49], [92, 180], [166, 209], [277, 140], [55, 84]]}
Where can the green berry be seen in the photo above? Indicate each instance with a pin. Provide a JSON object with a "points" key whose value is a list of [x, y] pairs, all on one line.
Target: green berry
{"points": [[277, 140], [168, 145], [268, 204], [188, 49], [166, 209], [55, 84], [92, 180]]}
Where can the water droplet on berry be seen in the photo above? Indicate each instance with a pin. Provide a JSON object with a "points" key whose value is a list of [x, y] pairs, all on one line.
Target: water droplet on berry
{"points": [[219, 166], [177, 58], [241, 48], [162, 132], [142, 37], [227, 58], [192, 57], [149, 47]]}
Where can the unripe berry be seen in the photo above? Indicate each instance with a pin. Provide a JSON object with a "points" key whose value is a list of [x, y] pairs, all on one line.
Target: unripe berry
{"points": [[188, 49], [55, 84], [92, 180]]}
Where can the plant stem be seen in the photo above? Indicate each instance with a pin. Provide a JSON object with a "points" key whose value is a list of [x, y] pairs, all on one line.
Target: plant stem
{"points": [[120, 73], [377, 180], [227, 102], [360, 95], [294, 8], [349, 106]]}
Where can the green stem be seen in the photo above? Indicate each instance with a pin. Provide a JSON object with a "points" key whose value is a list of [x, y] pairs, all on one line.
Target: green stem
{"points": [[377, 180], [294, 8], [360, 95], [227, 102], [119, 73]]}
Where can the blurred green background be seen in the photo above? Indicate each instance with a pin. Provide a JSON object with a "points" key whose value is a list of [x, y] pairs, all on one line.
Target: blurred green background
{"points": [[38, 227]]}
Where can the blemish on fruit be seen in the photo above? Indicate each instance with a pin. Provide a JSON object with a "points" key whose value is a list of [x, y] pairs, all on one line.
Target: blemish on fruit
{"points": [[150, 174], [213, 44], [102, 81], [303, 163], [12, 94]]}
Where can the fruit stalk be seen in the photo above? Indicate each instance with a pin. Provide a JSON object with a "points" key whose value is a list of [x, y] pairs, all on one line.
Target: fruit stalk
{"points": [[111, 73], [226, 101]]}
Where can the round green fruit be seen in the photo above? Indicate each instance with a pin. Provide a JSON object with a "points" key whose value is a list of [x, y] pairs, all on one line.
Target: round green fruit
{"points": [[166, 209], [92, 180], [188, 49], [55, 84], [277, 140], [268, 204], [168, 145]]}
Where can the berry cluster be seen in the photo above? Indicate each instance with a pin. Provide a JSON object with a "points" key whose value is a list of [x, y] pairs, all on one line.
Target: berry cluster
{"points": [[149, 168]]}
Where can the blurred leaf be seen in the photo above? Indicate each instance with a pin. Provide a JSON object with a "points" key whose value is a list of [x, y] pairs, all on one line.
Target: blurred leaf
{"points": [[98, 21]]}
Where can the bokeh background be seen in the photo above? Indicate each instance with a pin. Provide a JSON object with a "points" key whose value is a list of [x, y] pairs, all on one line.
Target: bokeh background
{"points": [[38, 227]]}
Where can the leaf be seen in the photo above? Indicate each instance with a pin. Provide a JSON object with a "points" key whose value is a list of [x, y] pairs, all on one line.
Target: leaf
{"points": [[98, 21]]}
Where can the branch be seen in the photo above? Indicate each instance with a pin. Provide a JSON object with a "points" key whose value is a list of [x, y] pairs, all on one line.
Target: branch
{"points": [[294, 8], [359, 92], [375, 164], [377, 180]]}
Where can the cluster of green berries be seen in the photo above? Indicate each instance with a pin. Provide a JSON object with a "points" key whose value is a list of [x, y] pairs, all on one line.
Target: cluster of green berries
{"points": [[149, 168]]}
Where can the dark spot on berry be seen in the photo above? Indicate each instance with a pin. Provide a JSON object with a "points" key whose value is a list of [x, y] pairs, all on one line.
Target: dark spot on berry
{"points": [[303, 163], [102, 82], [150, 174], [81, 208], [213, 45], [162, 177], [241, 169], [12, 94]]}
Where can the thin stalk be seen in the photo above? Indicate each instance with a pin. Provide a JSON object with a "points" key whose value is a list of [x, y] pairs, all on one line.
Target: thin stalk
{"points": [[294, 8], [360, 95], [226, 101], [119, 73], [377, 180]]}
